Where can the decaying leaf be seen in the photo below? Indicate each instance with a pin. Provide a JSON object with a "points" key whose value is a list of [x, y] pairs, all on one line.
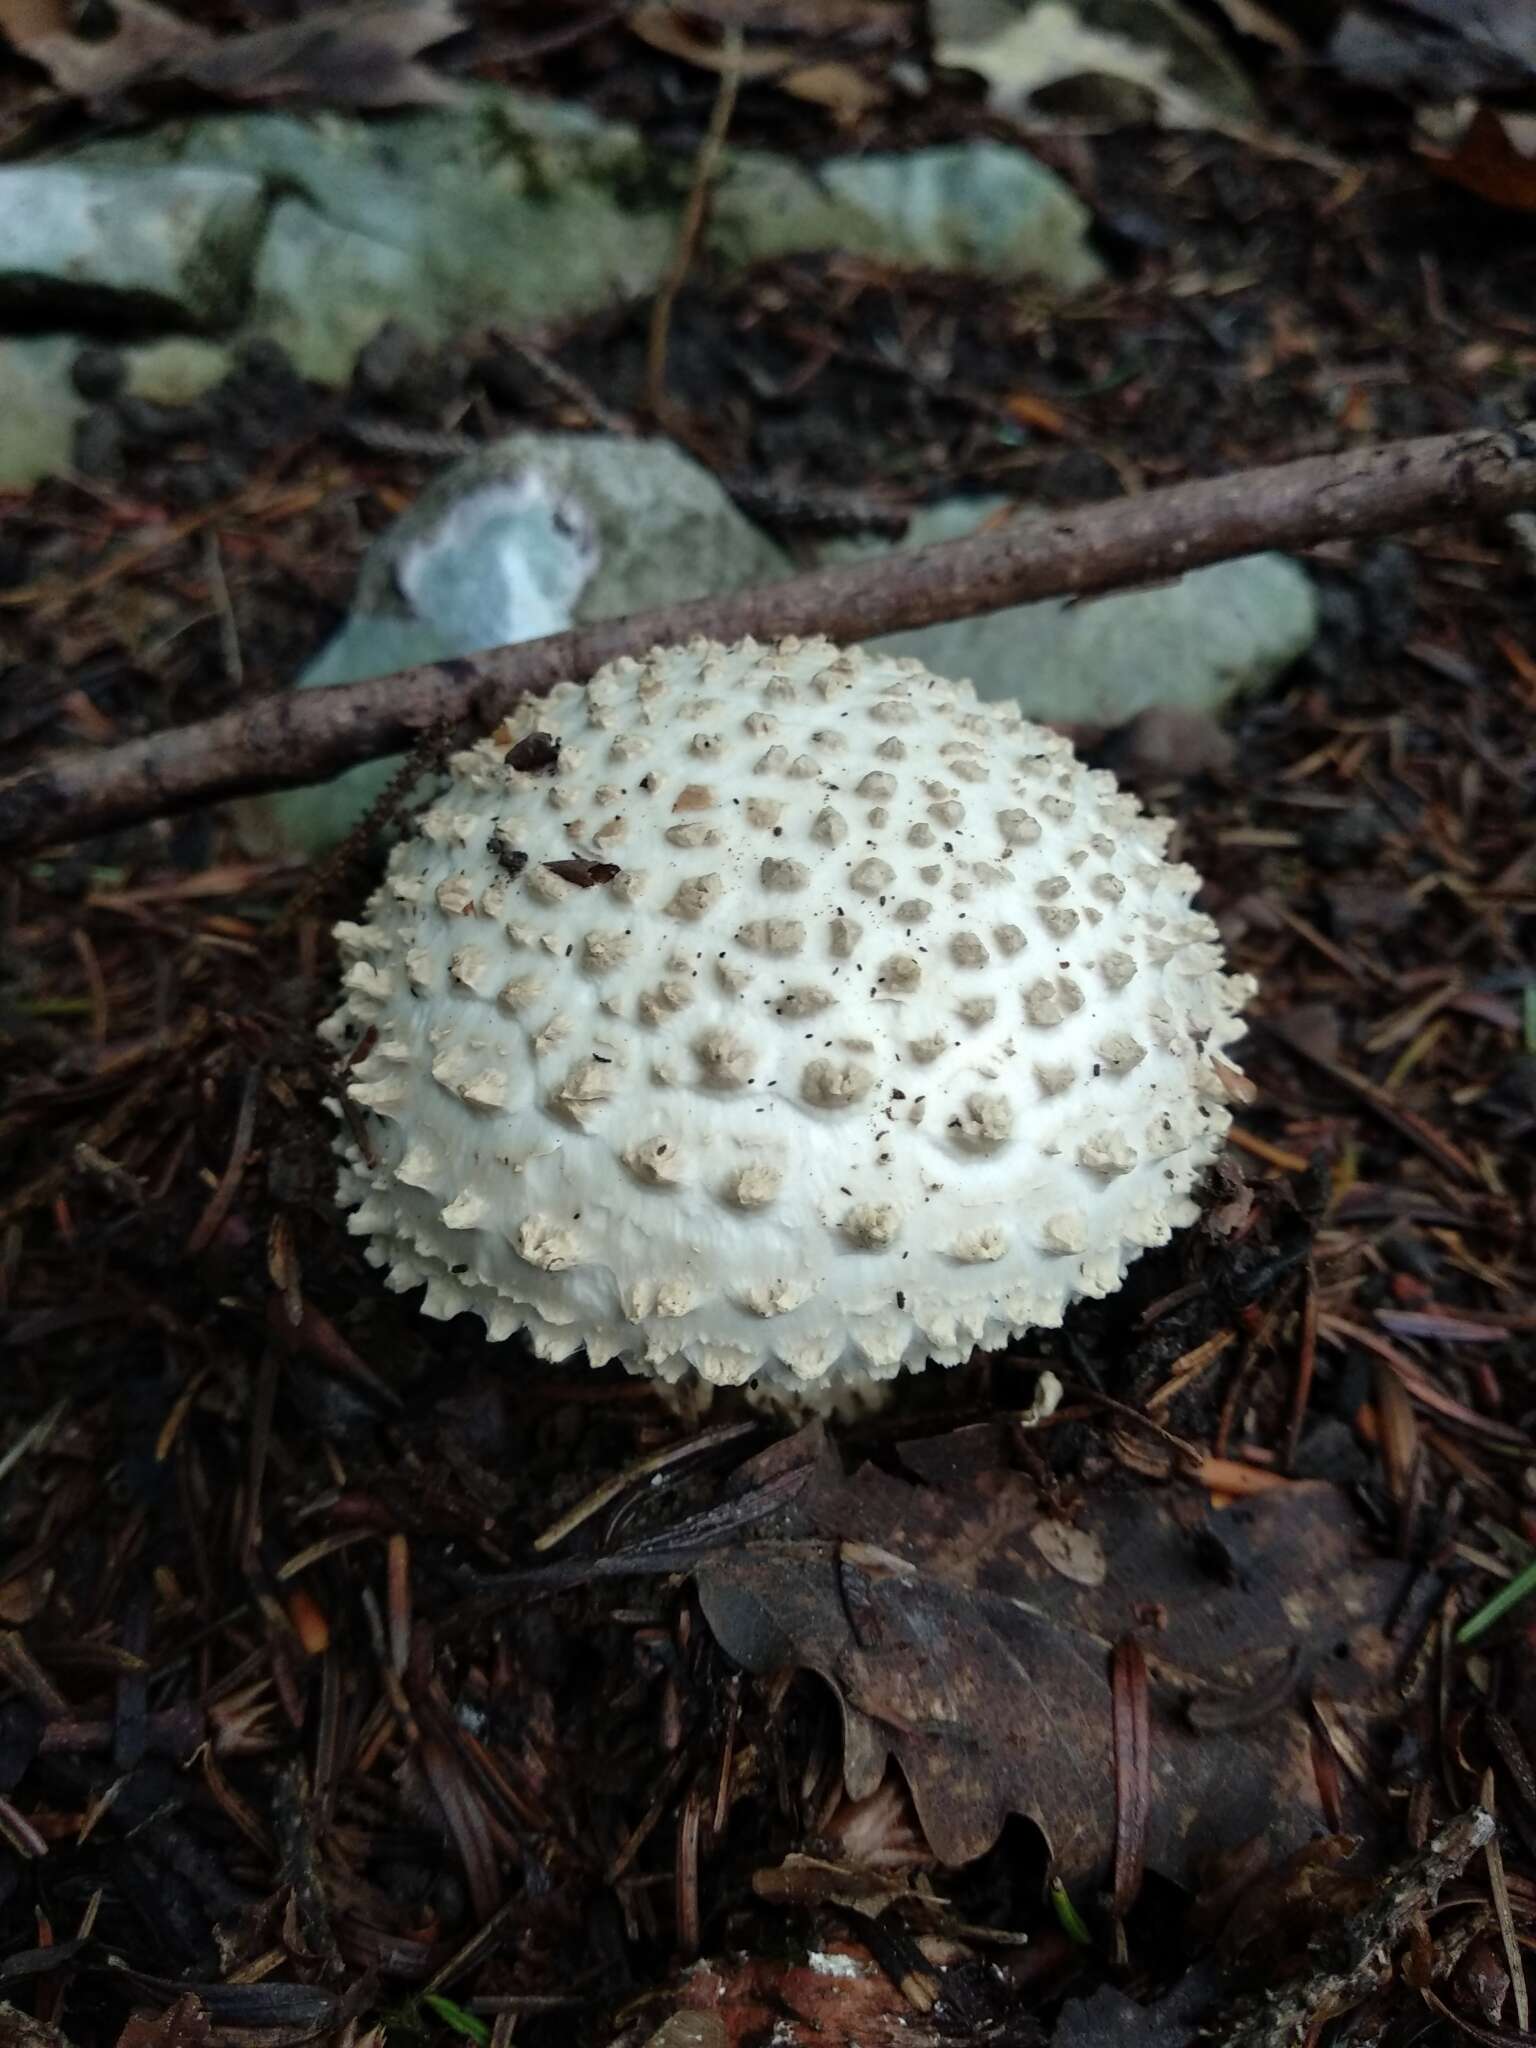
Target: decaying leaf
{"points": [[182, 2024], [1095, 63], [955, 1647], [23, 1598], [359, 55], [1287, 1907], [148, 40], [839, 1997], [831, 82], [1495, 158], [1076, 1553]]}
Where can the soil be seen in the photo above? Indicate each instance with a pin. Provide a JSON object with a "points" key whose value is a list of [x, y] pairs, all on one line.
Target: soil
{"points": [[273, 1763]]}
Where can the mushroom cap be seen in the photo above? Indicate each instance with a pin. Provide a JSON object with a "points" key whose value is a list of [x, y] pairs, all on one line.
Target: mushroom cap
{"points": [[779, 1015]]}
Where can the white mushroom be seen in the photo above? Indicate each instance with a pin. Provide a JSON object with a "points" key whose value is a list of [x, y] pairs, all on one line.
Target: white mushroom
{"points": [[809, 1097]]}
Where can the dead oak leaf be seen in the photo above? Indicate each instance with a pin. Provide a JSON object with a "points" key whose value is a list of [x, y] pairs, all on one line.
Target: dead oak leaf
{"points": [[958, 1649], [147, 40], [360, 55]]}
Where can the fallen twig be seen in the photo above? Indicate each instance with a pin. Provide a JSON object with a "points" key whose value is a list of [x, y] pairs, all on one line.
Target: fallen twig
{"points": [[295, 737], [660, 331]]}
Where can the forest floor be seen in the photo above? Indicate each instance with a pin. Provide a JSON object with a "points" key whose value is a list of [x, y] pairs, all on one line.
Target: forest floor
{"points": [[301, 1734]]}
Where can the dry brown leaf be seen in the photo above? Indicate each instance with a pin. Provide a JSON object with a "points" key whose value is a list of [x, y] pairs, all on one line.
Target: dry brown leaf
{"points": [[1398, 1428], [182, 2024], [664, 29], [147, 40], [1495, 158], [1030, 410], [23, 1599], [1076, 1553], [839, 1998], [360, 55], [1279, 1914], [842, 88], [955, 1648]]}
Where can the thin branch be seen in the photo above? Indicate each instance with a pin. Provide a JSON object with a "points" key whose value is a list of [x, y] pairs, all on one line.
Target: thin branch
{"points": [[660, 332], [303, 736]]}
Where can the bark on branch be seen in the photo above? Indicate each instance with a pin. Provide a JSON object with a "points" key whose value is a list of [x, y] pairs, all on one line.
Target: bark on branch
{"points": [[289, 738]]}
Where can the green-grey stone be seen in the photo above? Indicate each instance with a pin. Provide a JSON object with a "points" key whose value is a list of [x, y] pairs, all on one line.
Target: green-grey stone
{"points": [[1191, 644], [39, 408], [537, 533], [175, 371], [520, 210], [172, 245]]}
